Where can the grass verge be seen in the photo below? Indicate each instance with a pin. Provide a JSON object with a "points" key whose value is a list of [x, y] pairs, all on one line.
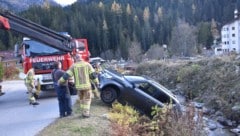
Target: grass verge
{"points": [[75, 125]]}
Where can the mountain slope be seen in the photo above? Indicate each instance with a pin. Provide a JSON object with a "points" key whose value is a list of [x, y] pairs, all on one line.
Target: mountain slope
{"points": [[16, 5]]}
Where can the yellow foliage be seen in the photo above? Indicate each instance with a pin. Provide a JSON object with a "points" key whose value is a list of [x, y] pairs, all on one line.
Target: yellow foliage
{"points": [[123, 115]]}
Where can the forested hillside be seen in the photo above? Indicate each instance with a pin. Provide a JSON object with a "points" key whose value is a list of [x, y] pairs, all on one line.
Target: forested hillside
{"points": [[118, 28], [20, 5]]}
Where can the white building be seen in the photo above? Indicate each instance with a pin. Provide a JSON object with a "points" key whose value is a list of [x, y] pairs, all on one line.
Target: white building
{"points": [[230, 35]]}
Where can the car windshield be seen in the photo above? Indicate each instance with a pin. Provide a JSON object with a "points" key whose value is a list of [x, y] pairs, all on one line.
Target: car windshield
{"points": [[156, 90], [80, 46], [34, 48]]}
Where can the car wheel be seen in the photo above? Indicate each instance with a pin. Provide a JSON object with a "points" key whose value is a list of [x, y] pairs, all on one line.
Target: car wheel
{"points": [[108, 95]]}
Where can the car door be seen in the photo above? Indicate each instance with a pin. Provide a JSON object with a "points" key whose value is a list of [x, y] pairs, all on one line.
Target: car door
{"points": [[151, 91], [140, 99]]}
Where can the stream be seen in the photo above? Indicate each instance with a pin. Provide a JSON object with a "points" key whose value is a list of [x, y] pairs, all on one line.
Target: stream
{"points": [[213, 122]]}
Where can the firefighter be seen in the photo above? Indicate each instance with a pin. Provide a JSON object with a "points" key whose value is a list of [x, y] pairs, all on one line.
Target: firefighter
{"points": [[1, 77], [29, 82], [98, 70], [1, 92], [83, 73]]}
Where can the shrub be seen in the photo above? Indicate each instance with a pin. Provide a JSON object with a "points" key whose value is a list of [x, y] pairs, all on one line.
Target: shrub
{"points": [[186, 72], [187, 76], [165, 122], [168, 122], [122, 118], [1, 71], [11, 72], [123, 115]]}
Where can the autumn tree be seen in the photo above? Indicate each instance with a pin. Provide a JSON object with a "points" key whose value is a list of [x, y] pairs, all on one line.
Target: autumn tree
{"points": [[147, 37], [135, 52], [155, 52], [184, 40], [214, 30]]}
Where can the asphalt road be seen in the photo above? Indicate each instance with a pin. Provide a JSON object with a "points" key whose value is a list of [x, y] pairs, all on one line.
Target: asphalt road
{"points": [[18, 118]]}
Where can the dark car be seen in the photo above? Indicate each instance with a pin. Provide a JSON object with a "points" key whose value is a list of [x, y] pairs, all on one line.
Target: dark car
{"points": [[140, 92]]}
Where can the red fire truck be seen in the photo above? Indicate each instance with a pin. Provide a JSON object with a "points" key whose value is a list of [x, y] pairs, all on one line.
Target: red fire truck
{"points": [[45, 47]]}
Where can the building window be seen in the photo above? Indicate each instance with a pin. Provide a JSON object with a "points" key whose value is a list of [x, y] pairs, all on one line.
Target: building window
{"points": [[233, 28], [227, 42], [233, 35], [233, 42]]}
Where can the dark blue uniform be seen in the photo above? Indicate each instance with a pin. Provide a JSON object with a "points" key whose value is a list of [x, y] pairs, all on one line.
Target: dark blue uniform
{"points": [[63, 94]]}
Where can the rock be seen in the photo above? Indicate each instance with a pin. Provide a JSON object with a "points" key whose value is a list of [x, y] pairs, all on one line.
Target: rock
{"points": [[212, 125], [225, 122], [236, 130], [236, 108], [220, 132], [206, 111], [229, 123], [105, 116], [219, 113], [221, 120], [198, 105], [212, 111]]}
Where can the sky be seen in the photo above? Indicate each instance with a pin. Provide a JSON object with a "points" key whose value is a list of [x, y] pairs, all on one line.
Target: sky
{"points": [[65, 2]]}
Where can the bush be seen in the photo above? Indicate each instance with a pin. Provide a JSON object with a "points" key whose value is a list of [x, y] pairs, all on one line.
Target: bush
{"points": [[186, 72], [187, 75], [169, 123], [11, 72], [165, 122], [122, 117], [1, 71]]}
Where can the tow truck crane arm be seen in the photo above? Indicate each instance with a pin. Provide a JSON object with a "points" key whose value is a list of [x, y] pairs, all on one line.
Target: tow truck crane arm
{"points": [[9, 21]]}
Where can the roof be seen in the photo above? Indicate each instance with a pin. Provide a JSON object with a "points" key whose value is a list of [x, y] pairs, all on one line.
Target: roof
{"points": [[96, 59]]}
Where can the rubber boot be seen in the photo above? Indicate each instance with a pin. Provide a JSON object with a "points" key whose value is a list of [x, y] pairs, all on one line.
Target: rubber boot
{"points": [[1, 93], [33, 101], [35, 95]]}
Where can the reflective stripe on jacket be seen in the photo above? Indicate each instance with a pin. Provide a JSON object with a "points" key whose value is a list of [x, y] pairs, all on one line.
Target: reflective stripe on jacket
{"points": [[30, 77], [81, 72]]}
